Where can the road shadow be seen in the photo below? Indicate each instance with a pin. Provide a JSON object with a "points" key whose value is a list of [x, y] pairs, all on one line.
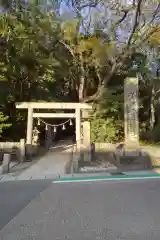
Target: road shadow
{"points": [[15, 196]]}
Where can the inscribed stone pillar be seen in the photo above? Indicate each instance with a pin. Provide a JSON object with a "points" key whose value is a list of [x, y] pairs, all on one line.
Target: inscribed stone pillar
{"points": [[86, 136], [131, 121]]}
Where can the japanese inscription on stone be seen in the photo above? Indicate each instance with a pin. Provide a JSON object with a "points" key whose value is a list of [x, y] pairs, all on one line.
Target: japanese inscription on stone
{"points": [[131, 111]]}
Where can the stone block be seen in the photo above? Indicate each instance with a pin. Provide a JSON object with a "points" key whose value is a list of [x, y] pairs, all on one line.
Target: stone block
{"points": [[6, 163]]}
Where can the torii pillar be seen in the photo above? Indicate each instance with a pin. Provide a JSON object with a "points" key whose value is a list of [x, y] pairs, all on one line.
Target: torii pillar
{"points": [[78, 129], [29, 132], [86, 135]]}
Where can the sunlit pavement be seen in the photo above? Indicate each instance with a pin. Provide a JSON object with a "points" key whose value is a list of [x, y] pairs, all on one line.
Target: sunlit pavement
{"points": [[52, 165], [113, 210]]}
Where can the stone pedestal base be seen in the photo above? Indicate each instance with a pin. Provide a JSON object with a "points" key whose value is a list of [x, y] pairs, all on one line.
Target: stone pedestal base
{"points": [[29, 152]]}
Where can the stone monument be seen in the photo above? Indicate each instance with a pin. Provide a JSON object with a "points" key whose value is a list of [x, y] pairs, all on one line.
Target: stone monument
{"points": [[131, 119]]}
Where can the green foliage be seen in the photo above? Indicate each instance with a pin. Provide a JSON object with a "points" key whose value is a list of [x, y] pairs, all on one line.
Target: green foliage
{"points": [[112, 102], [102, 130], [26, 50], [107, 118], [3, 123], [43, 57]]}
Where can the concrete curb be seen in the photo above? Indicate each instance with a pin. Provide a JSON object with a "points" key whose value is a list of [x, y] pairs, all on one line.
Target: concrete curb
{"points": [[105, 178], [85, 176]]}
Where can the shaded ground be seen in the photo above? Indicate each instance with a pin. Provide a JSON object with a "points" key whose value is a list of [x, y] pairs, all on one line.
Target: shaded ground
{"points": [[14, 196], [110, 210]]}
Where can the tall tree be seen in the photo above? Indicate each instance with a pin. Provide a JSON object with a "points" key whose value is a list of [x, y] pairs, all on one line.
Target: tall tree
{"points": [[128, 26]]}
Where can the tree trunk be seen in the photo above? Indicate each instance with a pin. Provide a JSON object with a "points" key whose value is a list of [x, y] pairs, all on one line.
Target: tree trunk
{"points": [[152, 109], [82, 80], [102, 87]]}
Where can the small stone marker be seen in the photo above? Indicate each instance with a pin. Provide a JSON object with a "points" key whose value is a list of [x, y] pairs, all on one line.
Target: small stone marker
{"points": [[8, 146], [6, 163]]}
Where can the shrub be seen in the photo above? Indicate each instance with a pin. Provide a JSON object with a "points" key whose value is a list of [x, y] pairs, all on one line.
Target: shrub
{"points": [[103, 130], [3, 123], [107, 124]]}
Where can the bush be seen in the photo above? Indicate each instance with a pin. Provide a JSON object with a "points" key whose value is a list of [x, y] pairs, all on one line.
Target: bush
{"points": [[103, 130], [107, 124], [3, 123]]}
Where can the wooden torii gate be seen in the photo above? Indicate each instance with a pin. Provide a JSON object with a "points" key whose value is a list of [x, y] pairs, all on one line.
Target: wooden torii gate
{"points": [[81, 111]]}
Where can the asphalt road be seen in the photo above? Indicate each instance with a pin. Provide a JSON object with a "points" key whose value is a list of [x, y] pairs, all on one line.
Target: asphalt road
{"points": [[14, 196], [118, 210]]}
